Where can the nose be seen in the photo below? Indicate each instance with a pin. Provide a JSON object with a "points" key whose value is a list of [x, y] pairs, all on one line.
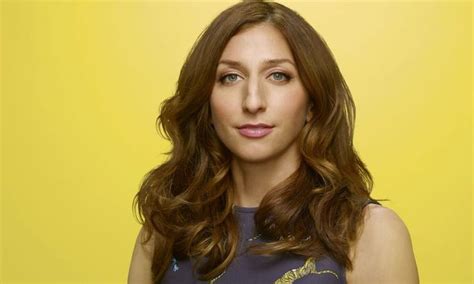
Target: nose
{"points": [[253, 97]]}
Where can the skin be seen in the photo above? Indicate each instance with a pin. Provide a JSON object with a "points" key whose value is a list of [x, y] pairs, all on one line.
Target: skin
{"points": [[258, 93], [255, 92], [383, 253]]}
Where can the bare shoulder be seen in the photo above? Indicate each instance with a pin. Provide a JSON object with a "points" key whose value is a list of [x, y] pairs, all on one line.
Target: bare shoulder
{"points": [[140, 264], [383, 253]]}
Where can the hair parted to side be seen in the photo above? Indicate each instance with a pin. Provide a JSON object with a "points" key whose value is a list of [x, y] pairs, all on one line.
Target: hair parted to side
{"points": [[185, 204]]}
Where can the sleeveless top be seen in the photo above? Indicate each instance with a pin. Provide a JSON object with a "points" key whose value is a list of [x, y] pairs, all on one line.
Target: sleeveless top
{"points": [[248, 268]]}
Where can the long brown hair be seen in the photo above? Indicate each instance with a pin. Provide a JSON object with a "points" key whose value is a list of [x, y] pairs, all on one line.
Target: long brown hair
{"points": [[185, 203]]}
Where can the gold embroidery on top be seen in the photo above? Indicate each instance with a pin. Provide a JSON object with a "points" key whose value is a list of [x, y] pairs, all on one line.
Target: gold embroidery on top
{"points": [[213, 280], [309, 267]]}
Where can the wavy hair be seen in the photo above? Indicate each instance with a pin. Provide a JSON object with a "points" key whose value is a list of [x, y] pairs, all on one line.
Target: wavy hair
{"points": [[185, 204]]}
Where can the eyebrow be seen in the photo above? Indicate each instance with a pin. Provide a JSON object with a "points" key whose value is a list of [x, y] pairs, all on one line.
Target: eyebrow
{"points": [[267, 62]]}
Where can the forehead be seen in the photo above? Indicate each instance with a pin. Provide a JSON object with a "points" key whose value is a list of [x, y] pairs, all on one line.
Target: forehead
{"points": [[257, 41]]}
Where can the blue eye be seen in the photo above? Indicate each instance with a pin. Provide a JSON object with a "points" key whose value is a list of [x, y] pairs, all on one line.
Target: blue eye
{"points": [[279, 76], [228, 78]]}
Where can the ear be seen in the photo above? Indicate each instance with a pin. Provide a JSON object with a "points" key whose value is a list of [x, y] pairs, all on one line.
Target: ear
{"points": [[309, 112]]}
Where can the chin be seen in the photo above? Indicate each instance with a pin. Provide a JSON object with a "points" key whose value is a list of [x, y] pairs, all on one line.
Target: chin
{"points": [[252, 156]]}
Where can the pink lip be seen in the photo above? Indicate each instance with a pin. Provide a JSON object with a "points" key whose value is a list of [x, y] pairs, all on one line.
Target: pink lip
{"points": [[255, 130]]}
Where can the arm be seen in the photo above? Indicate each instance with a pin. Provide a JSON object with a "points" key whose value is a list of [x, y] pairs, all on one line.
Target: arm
{"points": [[383, 252], [140, 265]]}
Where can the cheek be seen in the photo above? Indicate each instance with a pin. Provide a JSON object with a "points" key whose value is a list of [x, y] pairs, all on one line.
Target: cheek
{"points": [[219, 109], [293, 107]]}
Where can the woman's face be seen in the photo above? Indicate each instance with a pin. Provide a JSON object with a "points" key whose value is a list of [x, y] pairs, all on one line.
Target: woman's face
{"points": [[257, 83]]}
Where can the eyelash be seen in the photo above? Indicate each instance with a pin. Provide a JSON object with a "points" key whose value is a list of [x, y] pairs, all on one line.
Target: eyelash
{"points": [[288, 77]]}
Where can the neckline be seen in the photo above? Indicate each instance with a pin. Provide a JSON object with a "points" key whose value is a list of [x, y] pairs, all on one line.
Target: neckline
{"points": [[241, 209]]}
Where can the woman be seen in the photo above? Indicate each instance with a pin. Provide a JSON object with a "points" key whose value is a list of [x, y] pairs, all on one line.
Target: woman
{"points": [[263, 184]]}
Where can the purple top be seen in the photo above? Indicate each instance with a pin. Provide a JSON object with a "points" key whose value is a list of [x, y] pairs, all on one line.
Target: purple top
{"points": [[248, 268]]}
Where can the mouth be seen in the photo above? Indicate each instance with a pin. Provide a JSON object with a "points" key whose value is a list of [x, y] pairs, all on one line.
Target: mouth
{"points": [[255, 130]]}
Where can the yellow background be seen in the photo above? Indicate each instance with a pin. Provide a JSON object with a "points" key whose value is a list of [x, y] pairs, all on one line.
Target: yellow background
{"points": [[81, 86]]}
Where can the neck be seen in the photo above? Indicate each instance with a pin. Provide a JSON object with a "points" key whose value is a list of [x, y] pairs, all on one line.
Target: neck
{"points": [[253, 180]]}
